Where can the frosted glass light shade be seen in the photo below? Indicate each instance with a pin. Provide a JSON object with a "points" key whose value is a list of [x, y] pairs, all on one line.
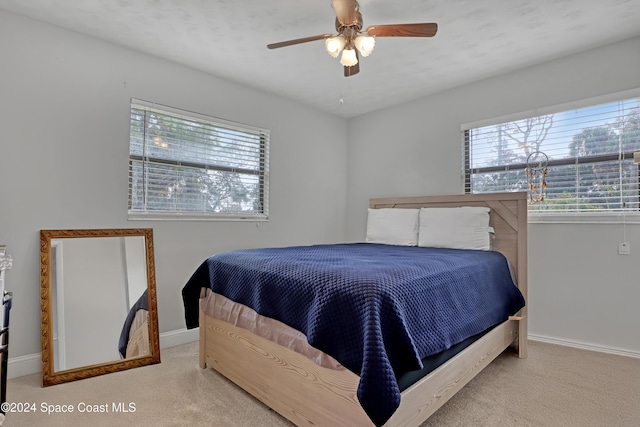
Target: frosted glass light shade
{"points": [[334, 45], [365, 45], [349, 58]]}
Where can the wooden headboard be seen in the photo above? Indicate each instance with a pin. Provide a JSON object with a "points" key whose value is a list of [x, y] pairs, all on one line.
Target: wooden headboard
{"points": [[508, 217]]}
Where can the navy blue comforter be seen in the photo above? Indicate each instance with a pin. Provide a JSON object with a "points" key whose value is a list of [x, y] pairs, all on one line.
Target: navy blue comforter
{"points": [[377, 309]]}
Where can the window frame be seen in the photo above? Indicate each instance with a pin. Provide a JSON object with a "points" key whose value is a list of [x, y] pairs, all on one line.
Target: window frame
{"points": [[585, 216], [180, 114]]}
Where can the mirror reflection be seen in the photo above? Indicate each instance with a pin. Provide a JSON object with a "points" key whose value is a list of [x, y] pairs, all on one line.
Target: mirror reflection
{"points": [[98, 302]]}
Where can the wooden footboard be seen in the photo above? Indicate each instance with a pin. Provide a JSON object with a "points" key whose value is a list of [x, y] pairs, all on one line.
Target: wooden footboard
{"points": [[310, 395], [289, 383]]}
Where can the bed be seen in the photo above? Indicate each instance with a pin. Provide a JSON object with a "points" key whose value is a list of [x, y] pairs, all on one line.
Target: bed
{"points": [[134, 337], [309, 393]]}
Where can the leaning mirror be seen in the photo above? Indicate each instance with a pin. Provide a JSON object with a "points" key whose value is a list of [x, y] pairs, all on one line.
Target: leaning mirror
{"points": [[98, 302]]}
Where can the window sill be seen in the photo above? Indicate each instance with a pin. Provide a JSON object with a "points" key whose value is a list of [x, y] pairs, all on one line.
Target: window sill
{"points": [[585, 218]]}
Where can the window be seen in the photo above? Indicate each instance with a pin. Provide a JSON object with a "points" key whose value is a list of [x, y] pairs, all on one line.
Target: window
{"points": [[184, 165], [589, 151]]}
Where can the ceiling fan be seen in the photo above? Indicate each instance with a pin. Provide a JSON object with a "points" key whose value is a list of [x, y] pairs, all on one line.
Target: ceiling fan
{"points": [[352, 41]]}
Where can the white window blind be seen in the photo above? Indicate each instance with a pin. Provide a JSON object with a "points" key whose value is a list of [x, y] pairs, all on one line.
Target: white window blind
{"points": [[191, 166], [589, 151]]}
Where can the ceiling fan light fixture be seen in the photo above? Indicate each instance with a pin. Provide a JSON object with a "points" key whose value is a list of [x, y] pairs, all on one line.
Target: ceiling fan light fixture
{"points": [[365, 44], [334, 45], [349, 58]]}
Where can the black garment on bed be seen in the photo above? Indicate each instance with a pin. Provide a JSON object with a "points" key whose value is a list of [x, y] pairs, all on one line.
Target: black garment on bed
{"points": [[377, 309]]}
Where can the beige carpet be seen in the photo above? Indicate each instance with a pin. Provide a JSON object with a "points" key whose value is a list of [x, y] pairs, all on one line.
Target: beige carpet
{"points": [[555, 386]]}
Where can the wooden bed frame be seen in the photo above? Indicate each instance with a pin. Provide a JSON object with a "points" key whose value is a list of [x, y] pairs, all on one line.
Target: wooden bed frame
{"points": [[310, 395]]}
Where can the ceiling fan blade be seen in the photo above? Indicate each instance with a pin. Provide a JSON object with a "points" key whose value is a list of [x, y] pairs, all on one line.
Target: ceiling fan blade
{"points": [[345, 11], [403, 30], [298, 41]]}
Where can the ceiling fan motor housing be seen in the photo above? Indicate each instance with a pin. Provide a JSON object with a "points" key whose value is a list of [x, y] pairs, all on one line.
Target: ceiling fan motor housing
{"points": [[356, 25]]}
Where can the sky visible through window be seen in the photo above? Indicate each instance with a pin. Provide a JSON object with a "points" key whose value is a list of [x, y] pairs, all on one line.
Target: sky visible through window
{"points": [[589, 152], [565, 126]]}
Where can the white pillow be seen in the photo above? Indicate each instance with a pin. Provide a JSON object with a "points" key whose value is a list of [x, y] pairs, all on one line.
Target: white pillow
{"points": [[393, 226], [464, 227]]}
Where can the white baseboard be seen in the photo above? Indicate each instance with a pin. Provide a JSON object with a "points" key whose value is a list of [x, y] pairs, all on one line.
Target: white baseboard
{"points": [[24, 365], [32, 363], [585, 346], [179, 337]]}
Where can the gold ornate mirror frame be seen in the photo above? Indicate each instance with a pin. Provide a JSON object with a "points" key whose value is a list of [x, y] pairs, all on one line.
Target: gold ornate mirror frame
{"points": [[49, 375]]}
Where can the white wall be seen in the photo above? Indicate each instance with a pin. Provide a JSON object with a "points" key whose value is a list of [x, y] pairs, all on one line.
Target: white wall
{"points": [[64, 116], [136, 264], [580, 289]]}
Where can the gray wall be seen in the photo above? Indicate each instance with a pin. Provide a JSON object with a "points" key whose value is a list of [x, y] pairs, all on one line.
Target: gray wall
{"points": [[64, 116], [580, 289]]}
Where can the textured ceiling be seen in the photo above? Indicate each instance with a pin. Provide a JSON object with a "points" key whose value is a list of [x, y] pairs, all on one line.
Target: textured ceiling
{"points": [[227, 38]]}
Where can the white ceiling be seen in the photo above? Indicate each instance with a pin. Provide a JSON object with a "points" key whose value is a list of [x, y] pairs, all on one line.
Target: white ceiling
{"points": [[227, 38]]}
